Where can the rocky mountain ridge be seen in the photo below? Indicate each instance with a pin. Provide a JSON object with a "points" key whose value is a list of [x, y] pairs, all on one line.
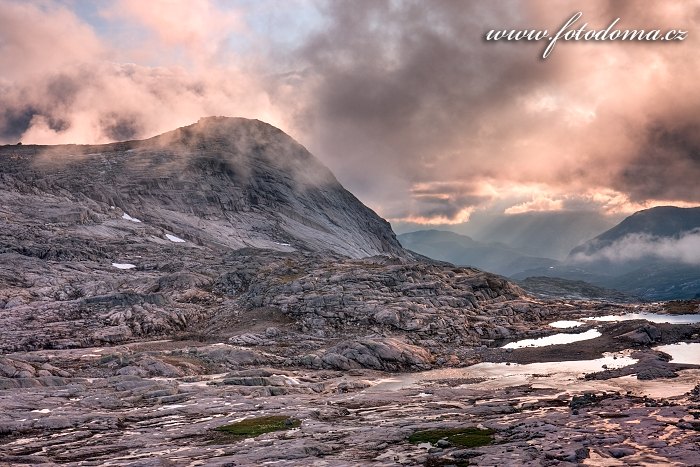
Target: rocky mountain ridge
{"points": [[222, 183], [190, 231]]}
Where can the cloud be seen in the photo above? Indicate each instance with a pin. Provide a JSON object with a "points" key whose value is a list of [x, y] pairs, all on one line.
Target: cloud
{"points": [[35, 38], [668, 161], [198, 27], [439, 203], [405, 102], [103, 102], [59, 84], [633, 247], [410, 88], [539, 203]]}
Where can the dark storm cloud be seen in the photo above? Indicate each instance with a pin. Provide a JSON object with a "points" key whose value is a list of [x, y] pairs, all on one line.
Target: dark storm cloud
{"points": [[15, 121], [668, 164], [442, 201], [411, 89], [118, 127], [440, 206], [409, 79]]}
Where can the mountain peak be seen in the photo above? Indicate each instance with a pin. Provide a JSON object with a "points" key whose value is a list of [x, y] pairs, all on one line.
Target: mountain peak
{"points": [[223, 129], [660, 221], [221, 182]]}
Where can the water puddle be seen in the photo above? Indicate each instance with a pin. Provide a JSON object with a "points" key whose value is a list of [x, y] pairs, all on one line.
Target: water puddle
{"points": [[555, 339], [659, 388], [544, 374], [684, 352], [651, 317], [564, 324]]}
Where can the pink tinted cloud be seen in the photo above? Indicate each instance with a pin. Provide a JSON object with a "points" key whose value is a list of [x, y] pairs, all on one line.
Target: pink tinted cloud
{"points": [[36, 38], [60, 86], [197, 26], [441, 105], [407, 88]]}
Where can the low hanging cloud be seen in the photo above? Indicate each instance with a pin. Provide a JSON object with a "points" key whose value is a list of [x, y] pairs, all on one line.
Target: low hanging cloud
{"points": [[635, 247], [60, 82], [105, 102], [408, 105]]}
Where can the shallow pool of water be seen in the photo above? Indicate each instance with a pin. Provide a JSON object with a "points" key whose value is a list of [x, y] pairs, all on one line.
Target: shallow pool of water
{"points": [[554, 339], [551, 374], [659, 388], [684, 352], [651, 317]]}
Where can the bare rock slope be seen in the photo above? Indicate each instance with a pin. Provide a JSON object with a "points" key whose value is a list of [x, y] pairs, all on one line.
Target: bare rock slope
{"points": [[156, 294], [222, 182], [195, 230]]}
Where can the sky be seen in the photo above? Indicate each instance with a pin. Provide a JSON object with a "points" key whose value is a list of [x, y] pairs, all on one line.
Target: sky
{"points": [[415, 113]]}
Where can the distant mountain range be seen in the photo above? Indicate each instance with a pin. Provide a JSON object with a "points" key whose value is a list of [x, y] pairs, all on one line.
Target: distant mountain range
{"points": [[653, 254], [532, 234], [465, 251], [664, 222], [543, 234]]}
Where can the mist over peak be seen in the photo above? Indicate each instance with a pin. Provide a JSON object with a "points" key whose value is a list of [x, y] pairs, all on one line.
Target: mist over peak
{"points": [[665, 233], [231, 182]]}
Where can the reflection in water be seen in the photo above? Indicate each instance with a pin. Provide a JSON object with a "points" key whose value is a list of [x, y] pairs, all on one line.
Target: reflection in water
{"points": [[651, 317], [564, 376], [553, 374], [660, 388], [554, 339], [684, 352]]}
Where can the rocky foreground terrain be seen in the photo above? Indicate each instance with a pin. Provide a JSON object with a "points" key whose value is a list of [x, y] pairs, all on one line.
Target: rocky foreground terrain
{"points": [[153, 292]]}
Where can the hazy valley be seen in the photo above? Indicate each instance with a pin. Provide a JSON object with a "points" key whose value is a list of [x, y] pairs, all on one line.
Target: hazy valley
{"points": [[651, 255]]}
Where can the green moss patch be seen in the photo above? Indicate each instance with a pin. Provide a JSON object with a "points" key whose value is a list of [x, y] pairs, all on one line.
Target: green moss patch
{"points": [[467, 437], [252, 427]]}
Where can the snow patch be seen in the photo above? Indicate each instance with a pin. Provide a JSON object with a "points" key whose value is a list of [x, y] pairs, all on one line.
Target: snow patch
{"points": [[124, 265], [554, 339], [127, 217], [42, 411], [174, 239]]}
